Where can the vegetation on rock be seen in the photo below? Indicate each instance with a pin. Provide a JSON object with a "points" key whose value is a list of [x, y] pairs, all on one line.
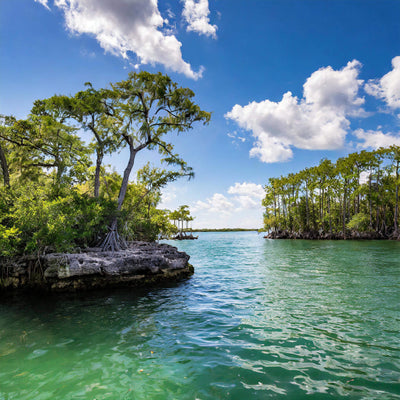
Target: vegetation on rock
{"points": [[54, 198], [358, 196]]}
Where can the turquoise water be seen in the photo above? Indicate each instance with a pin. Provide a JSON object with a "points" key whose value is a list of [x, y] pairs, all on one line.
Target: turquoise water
{"points": [[259, 319]]}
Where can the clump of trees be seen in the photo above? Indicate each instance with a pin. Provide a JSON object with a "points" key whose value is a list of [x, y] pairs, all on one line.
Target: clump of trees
{"points": [[358, 196], [57, 195], [181, 218]]}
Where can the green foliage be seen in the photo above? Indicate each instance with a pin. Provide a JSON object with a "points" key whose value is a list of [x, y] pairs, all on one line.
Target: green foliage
{"points": [[48, 179], [359, 222], [180, 217], [148, 229], [142, 110], [9, 240], [332, 197], [37, 221], [230, 230]]}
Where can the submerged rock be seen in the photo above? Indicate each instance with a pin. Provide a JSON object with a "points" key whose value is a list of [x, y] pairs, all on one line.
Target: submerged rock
{"points": [[141, 264]]}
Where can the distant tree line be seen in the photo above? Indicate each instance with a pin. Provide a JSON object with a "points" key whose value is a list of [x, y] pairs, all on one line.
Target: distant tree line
{"points": [[55, 192], [228, 230], [358, 197]]}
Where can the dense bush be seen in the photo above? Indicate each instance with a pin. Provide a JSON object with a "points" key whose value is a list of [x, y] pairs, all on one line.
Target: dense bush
{"points": [[35, 221]]}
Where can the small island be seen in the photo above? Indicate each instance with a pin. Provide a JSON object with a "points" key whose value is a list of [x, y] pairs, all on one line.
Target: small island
{"points": [[179, 217], [67, 221], [355, 198]]}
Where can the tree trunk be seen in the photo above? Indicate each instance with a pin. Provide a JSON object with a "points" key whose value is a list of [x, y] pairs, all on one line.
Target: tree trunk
{"points": [[344, 209], [358, 193], [321, 205], [378, 202], [307, 210], [125, 180], [330, 216], [383, 224], [275, 227], [396, 206], [4, 167], [279, 211], [370, 200], [99, 161], [113, 241]]}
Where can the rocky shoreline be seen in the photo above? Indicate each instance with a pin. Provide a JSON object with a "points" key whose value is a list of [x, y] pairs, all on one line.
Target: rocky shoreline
{"points": [[315, 235], [142, 264]]}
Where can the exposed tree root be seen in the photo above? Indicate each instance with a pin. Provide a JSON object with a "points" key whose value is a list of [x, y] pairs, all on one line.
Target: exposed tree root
{"points": [[113, 241]]}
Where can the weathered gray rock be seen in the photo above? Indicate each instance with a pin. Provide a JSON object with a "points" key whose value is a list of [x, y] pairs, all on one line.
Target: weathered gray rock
{"points": [[141, 264]]}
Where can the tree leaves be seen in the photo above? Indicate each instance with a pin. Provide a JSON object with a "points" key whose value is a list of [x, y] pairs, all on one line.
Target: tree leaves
{"points": [[330, 198]]}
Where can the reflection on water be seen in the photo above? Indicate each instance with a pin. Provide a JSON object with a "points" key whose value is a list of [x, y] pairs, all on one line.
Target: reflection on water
{"points": [[259, 319]]}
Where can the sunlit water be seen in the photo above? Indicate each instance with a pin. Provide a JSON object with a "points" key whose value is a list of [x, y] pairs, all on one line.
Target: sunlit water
{"points": [[259, 319]]}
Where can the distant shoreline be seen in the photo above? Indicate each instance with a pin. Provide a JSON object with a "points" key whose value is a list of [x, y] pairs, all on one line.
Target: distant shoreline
{"points": [[226, 230], [314, 235]]}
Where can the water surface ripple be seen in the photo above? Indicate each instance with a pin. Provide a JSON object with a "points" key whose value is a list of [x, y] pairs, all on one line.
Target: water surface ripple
{"points": [[259, 319]]}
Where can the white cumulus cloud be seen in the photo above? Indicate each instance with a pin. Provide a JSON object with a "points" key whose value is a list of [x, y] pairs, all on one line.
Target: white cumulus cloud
{"points": [[388, 87], [122, 26], [376, 139], [218, 203], [240, 206], [247, 189], [43, 3], [248, 195], [318, 121], [195, 13]]}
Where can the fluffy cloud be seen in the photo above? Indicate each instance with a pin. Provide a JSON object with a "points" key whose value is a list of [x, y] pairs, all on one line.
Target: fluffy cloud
{"points": [[335, 90], [218, 203], [248, 195], [195, 13], [43, 3], [317, 121], [247, 189], [239, 207], [388, 87], [122, 26], [376, 139]]}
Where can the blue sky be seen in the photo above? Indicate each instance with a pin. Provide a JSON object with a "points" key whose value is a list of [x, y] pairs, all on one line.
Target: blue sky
{"points": [[288, 81]]}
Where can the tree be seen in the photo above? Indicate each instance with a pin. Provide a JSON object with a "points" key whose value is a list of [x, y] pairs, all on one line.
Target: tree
{"points": [[5, 122], [334, 197], [45, 199], [56, 141], [184, 215], [394, 156], [142, 110], [90, 109], [44, 142], [181, 215]]}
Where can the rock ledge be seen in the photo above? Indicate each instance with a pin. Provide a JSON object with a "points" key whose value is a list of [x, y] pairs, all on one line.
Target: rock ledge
{"points": [[141, 264]]}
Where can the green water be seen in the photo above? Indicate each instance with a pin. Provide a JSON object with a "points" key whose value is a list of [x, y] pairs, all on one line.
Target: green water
{"points": [[259, 319]]}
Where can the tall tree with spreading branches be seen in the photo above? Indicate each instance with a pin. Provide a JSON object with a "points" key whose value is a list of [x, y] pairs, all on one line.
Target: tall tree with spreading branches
{"points": [[141, 111]]}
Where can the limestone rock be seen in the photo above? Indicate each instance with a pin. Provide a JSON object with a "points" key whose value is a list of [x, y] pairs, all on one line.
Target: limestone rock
{"points": [[141, 264]]}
